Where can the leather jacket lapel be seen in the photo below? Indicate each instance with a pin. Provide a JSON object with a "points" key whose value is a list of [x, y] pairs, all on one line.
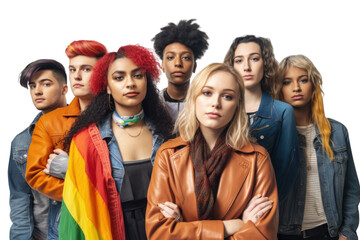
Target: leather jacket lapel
{"points": [[231, 182], [185, 182]]}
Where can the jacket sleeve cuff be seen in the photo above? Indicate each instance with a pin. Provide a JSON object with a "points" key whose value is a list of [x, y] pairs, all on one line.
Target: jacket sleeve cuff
{"points": [[347, 232], [212, 230], [58, 166], [248, 231]]}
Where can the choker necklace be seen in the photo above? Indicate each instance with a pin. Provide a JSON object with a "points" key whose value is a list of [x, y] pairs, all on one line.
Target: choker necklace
{"points": [[125, 121]]}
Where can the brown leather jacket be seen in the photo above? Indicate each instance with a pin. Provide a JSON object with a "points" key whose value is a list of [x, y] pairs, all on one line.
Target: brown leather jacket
{"points": [[248, 172], [47, 135]]}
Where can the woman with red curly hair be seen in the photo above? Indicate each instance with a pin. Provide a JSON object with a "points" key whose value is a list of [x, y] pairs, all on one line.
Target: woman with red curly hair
{"points": [[47, 160], [113, 147]]}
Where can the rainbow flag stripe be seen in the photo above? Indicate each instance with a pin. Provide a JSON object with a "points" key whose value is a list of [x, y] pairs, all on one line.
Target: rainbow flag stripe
{"points": [[91, 207]]}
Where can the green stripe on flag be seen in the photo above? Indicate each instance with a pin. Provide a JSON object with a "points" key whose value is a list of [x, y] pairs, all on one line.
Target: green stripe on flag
{"points": [[68, 227]]}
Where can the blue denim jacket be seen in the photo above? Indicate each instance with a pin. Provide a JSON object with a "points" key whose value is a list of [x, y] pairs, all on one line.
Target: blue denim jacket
{"points": [[340, 190], [117, 165], [274, 128], [21, 194]]}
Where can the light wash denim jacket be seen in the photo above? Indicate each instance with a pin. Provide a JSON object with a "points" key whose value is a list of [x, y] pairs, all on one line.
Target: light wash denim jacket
{"points": [[117, 165], [340, 190], [274, 128], [22, 197]]}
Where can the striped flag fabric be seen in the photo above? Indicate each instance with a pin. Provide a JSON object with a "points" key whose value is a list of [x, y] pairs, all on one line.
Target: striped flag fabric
{"points": [[91, 207]]}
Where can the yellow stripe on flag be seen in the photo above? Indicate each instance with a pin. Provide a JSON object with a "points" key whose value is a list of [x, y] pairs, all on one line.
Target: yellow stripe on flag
{"points": [[84, 201]]}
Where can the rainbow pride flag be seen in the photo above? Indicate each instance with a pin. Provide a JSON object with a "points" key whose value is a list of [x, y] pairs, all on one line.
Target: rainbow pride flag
{"points": [[91, 207]]}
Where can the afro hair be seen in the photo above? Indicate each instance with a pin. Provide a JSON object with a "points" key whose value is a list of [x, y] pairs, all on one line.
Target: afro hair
{"points": [[187, 33]]}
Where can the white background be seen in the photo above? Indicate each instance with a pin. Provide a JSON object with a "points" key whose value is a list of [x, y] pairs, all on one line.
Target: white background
{"points": [[325, 31]]}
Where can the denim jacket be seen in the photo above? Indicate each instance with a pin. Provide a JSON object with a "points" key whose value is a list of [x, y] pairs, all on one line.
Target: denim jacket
{"points": [[117, 165], [274, 128], [340, 190], [29, 208]]}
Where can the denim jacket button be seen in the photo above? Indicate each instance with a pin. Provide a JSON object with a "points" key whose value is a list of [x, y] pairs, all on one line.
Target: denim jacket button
{"points": [[25, 155], [53, 202], [262, 137], [256, 118]]}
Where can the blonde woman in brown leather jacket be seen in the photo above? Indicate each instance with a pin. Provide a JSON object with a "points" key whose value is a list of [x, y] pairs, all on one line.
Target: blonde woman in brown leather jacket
{"points": [[211, 182]]}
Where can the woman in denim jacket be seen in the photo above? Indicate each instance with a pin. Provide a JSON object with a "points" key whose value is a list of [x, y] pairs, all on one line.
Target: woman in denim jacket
{"points": [[128, 115], [272, 123], [324, 202]]}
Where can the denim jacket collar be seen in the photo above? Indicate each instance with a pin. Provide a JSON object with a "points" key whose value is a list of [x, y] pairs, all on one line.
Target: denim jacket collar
{"points": [[265, 106], [32, 125], [106, 131], [318, 135], [108, 135], [117, 166]]}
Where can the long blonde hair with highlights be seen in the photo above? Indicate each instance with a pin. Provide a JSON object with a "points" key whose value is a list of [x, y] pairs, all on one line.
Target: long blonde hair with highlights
{"points": [[187, 123], [317, 104]]}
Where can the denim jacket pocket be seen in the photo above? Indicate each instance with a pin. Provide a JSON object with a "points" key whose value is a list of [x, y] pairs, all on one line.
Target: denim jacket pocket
{"points": [[340, 155], [19, 155], [339, 166], [266, 135], [118, 175], [339, 162]]}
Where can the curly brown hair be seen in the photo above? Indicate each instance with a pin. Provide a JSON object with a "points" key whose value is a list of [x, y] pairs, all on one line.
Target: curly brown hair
{"points": [[268, 83]]}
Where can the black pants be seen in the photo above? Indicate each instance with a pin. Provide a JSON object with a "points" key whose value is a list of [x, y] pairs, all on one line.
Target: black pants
{"points": [[318, 233]]}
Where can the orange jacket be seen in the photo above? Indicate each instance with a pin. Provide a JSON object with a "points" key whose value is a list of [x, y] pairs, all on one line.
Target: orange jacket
{"points": [[248, 172], [47, 135]]}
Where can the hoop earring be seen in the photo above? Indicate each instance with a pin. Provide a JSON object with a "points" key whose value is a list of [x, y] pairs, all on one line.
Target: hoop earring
{"points": [[110, 107]]}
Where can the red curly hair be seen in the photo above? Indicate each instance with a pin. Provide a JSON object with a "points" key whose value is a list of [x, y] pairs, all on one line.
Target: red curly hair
{"points": [[85, 47], [140, 56]]}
